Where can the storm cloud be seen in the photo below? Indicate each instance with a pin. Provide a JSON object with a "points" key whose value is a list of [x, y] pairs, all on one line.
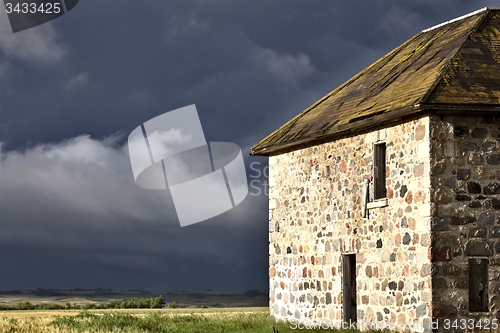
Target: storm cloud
{"points": [[74, 88]]}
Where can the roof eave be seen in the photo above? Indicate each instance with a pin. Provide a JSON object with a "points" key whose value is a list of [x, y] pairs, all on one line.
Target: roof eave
{"points": [[365, 125], [339, 131]]}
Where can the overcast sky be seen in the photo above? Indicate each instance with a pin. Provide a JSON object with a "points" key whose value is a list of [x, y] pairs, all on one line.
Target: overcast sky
{"points": [[73, 89]]}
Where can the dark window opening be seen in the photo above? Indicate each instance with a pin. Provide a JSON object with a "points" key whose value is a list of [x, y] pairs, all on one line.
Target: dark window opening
{"points": [[478, 285], [379, 189], [349, 288]]}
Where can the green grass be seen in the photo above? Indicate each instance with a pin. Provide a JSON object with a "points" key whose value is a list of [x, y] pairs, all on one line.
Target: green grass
{"points": [[163, 323]]}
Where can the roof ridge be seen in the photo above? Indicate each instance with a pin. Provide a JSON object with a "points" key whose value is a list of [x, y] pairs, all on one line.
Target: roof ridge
{"points": [[457, 19], [447, 66]]}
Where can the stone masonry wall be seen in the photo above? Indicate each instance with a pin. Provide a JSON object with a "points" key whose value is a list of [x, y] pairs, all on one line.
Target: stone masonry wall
{"points": [[465, 168], [315, 217]]}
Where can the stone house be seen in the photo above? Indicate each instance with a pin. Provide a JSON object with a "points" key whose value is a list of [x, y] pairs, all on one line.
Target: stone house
{"points": [[384, 195]]}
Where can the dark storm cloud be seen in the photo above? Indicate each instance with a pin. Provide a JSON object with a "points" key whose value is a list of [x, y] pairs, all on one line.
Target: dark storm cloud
{"points": [[76, 200], [69, 209]]}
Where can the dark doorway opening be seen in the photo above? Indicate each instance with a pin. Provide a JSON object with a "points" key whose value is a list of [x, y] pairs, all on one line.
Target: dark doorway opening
{"points": [[349, 288], [478, 285]]}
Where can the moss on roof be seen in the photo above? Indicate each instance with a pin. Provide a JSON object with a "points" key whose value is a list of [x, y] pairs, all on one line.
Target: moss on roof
{"points": [[455, 65]]}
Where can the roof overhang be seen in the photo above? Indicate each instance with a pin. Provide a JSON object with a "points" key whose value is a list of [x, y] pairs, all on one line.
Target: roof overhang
{"points": [[376, 122]]}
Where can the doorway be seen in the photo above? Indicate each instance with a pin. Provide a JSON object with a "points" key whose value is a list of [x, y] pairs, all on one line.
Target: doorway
{"points": [[349, 288], [478, 285]]}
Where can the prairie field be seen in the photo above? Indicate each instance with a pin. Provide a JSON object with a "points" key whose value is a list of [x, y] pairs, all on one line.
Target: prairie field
{"points": [[194, 312], [230, 320]]}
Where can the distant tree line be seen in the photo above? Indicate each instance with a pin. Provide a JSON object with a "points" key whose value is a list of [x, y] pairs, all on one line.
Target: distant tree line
{"points": [[136, 303], [253, 293]]}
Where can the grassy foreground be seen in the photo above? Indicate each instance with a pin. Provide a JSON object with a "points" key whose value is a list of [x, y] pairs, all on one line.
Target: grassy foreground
{"points": [[157, 322]]}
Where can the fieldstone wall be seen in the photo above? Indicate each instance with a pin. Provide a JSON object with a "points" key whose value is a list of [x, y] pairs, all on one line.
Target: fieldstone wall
{"points": [[315, 217], [465, 176]]}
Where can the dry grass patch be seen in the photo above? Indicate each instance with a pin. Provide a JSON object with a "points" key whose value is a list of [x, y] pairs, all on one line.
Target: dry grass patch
{"points": [[172, 320]]}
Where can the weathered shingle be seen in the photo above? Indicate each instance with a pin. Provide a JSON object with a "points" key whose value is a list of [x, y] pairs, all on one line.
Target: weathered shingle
{"points": [[452, 66]]}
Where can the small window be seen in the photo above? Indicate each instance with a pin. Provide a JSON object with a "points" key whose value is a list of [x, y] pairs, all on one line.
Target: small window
{"points": [[478, 285], [379, 190]]}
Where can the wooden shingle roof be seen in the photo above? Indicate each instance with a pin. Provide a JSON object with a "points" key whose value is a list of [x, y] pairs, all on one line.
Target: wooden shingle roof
{"points": [[453, 66]]}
